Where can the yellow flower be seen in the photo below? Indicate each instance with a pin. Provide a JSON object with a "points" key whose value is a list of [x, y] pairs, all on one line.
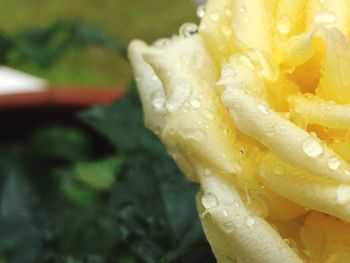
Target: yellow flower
{"points": [[256, 108]]}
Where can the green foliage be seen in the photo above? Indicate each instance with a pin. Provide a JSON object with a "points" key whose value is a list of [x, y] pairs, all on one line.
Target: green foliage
{"points": [[60, 202], [45, 46]]}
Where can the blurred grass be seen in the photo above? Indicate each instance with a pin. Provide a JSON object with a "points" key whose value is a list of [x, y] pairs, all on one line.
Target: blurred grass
{"points": [[123, 19]]}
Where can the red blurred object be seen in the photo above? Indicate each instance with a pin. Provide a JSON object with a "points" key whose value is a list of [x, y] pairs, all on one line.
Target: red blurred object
{"points": [[23, 113], [63, 97]]}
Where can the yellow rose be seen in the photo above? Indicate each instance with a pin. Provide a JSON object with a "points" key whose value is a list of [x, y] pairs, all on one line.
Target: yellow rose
{"points": [[256, 108]]}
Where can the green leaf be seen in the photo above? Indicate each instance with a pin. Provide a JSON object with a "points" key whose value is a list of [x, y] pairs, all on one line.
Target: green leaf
{"points": [[66, 143], [17, 221], [99, 175], [122, 123]]}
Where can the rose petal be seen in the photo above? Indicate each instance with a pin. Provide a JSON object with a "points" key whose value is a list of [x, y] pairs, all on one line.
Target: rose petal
{"points": [[198, 127], [318, 111], [289, 142], [233, 231], [149, 87]]}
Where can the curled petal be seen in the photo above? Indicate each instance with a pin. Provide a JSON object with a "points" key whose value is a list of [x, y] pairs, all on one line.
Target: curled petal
{"points": [[318, 111], [215, 28], [328, 13], [288, 141], [198, 127], [233, 231], [325, 55], [149, 87], [320, 194]]}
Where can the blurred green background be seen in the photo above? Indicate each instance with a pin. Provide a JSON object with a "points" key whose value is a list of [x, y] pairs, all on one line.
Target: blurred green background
{"points": [[123, 20], [91, 186]]}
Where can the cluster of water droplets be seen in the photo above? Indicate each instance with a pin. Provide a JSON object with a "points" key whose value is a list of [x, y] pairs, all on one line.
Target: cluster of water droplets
{"points": [[182, 91]]}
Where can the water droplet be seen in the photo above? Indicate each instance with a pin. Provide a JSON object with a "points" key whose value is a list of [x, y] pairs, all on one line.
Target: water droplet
{"points": [[325, 17], [209, 115], [250, 221], [228, 71], [262, 172], [195, 103], [347, 172], [242, 9], [188, 29], [178, 97], [214, 16], [161, 42], [283, 127], [343, 194], [247, 62], [263, 109], [284, 25], [225, 213], [209, 200], [158, 100], [226, 31], [196, 135], [201, 11], [333, 163], [312, 147]]}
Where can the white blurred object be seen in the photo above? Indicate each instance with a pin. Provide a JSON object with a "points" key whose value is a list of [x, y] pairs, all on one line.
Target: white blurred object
{"points": [[200, 2], [13, 81]]}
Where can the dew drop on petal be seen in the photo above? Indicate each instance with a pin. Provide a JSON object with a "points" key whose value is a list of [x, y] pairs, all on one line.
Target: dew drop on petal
{"points": [[347, 172], [201, 11], [250, 221], [158, 100], [163, 42], [188, 29], [195, 103], [312, 147], [209, 200], [325, 17], [228, 71], [333, 163], [209, 115], [214, 16], [242, 9], [263, 109], [284, 25], [343, 194]]}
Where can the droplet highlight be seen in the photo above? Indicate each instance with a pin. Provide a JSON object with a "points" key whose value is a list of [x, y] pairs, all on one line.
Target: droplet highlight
{"points": [[325, 17], [284, 26], [209, 200], [201, 11], [312, 147], [188, 29], [343, 194], [195, 103], [333, 163], [250, 221]]}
